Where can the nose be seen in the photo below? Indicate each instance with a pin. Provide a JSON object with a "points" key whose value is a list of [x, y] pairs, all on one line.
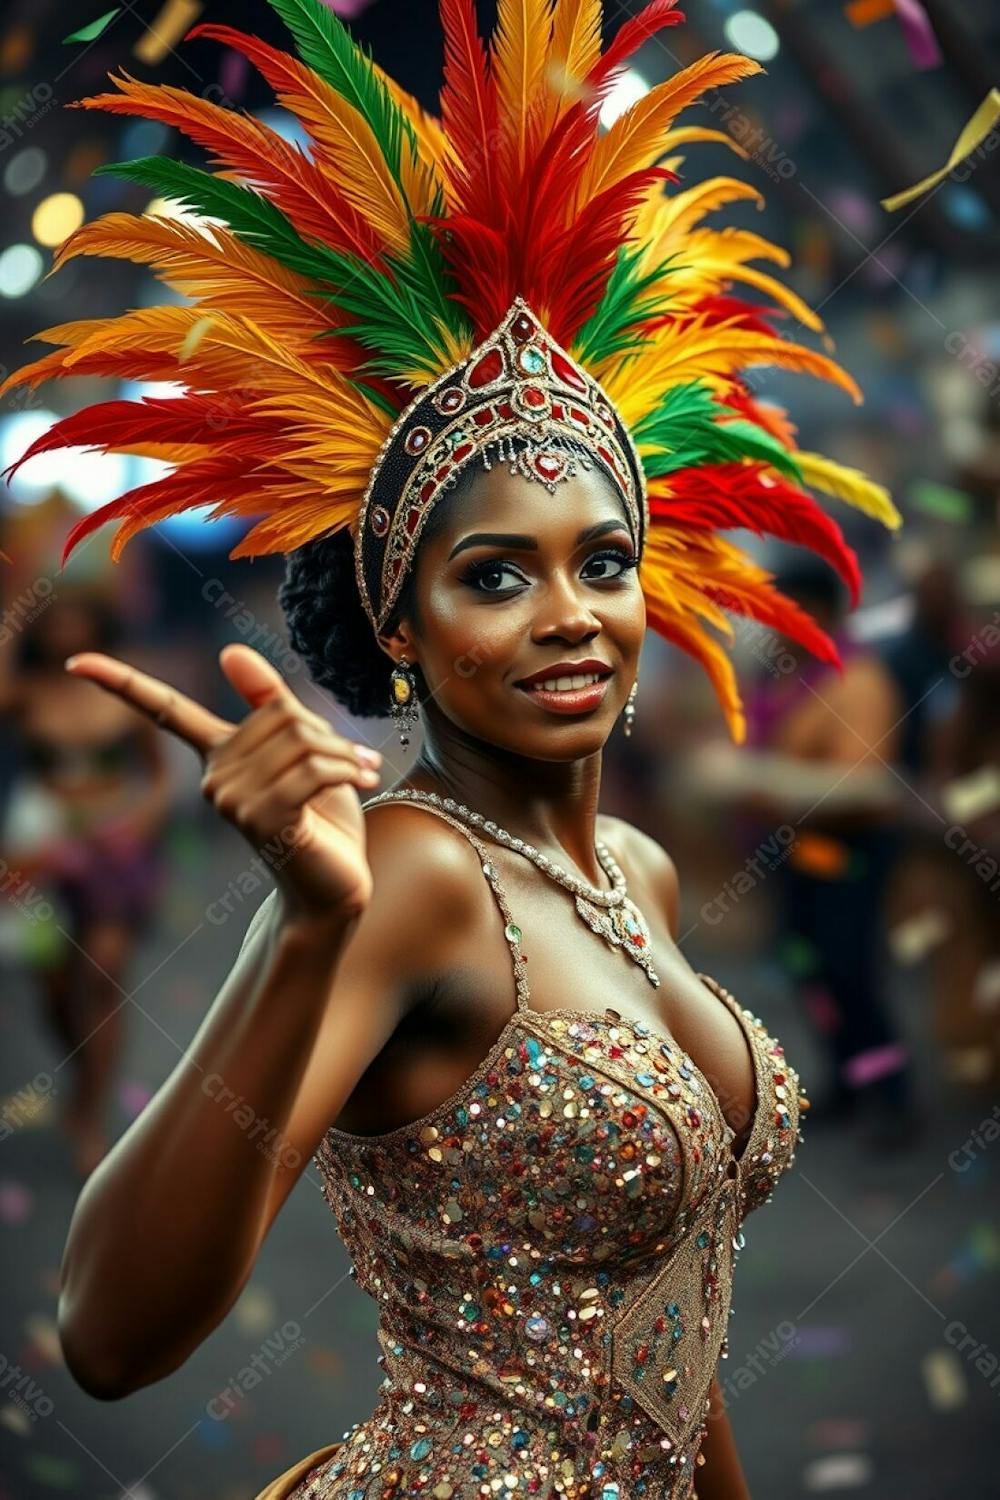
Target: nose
{"points": [[564, 614]]}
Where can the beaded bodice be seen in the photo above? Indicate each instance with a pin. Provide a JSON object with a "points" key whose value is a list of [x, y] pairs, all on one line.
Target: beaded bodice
{"points": [[552, 1251]]}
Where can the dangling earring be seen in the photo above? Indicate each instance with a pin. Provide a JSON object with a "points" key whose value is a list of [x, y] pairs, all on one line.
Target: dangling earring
{"points": [[403, 699], [628, 712]]}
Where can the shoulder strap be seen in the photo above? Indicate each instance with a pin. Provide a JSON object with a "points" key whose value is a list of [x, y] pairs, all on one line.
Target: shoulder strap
{"points": [[511, 931]]}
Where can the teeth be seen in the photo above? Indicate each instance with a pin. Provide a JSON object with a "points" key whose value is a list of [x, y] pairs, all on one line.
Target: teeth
{"points": [[567, 684]]}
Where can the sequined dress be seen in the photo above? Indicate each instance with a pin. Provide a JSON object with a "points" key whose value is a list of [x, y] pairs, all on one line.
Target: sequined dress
{"points": [[552, 1252]]}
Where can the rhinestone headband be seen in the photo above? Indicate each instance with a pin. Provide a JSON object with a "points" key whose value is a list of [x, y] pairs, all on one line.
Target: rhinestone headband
{"points": [[517, 390]]}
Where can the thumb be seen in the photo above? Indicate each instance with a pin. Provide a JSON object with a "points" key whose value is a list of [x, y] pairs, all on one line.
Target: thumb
{"points": [[251, 675]]}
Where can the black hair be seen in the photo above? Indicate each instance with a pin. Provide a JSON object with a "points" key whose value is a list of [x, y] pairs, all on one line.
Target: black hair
{"points": [[326, 621]]}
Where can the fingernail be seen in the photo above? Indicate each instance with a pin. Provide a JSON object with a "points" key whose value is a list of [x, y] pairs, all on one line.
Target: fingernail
{"points": [[366, 756], [370, 778], [70, 662]]}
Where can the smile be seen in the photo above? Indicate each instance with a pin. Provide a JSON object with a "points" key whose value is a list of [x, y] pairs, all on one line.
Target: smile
{"points": [[568, 692]]}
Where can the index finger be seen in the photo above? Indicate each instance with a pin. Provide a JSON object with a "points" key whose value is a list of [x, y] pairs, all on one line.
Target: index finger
{"points": [[165, 705]]}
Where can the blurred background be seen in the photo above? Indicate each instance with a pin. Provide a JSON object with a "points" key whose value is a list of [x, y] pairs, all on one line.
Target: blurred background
{"points": [[841, 872]]}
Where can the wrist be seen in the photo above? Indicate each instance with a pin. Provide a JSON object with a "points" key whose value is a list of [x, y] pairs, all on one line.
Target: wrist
{"points": [[298, 928]]}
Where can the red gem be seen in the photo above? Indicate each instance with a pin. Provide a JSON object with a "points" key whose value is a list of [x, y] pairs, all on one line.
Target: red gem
{"points": [[487, 369], [427, 490], [694, 1117], [506, 411], [412, 517], [395, 566], [578, 416], [566, 373], [485, 416], [522, 328], [532, 396], [462, 452], [557, 410], [548, 466], [380, 520]]}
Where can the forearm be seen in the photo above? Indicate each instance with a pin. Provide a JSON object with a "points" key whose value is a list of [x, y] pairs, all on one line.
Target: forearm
{"points": [[166, 1229], [721, 1475]]}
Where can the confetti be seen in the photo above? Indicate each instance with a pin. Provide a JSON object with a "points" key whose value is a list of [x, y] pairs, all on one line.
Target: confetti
{"points": [[16, 1202], [912, 940], [970, 797], [986, 990], [57, 1473], [256, 1311], [193, 338], [821, 1342], [969, 1064], [162, 34], [864, 12], [944, 1380], [838, 1471], [95, 29], [918, 34], [44, 1337], [133, 1097], [15, 1420], [940, 501], [836, 1432], [973, 133], [820, 855]]}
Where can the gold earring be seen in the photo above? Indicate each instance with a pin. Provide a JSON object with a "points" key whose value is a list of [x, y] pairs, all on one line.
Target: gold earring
{"points": [[403, 699]]}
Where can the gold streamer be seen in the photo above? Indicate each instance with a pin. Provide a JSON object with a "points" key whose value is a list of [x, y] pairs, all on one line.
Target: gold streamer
{"points": [[974, 132]]}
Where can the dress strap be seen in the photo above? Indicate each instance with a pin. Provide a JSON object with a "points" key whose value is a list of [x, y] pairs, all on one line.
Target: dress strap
{"points": [[511, 931]]}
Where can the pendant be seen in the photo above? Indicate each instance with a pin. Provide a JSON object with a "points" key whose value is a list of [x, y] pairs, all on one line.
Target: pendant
{"points": [[622, 927]]}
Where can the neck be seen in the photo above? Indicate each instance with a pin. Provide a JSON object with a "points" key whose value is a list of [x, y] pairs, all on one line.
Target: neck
{"points": [[551, 804]]}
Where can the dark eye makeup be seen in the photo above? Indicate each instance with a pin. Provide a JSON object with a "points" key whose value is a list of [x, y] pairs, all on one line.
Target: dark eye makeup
{"points": [[482, 576]]}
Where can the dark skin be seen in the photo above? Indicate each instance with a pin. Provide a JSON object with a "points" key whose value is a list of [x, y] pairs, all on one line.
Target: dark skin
{"points": [[372, 984]]}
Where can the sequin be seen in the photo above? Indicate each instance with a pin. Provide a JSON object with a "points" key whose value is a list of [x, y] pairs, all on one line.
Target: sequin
{"points": [[554, 1291]]}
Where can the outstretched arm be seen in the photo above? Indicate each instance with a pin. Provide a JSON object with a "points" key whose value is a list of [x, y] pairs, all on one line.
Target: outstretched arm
{"points": [[720, 1476]]}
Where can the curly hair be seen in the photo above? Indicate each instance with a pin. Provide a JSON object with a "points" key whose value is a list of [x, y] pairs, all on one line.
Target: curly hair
{"points": [[326, 621]]}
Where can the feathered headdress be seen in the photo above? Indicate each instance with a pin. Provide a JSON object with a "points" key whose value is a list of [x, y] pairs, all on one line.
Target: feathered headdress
{"points": [[367, 315]]}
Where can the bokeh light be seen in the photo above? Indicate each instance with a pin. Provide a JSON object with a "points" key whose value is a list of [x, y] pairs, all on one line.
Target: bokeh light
{"points": [[56, 218], [20, 268]]}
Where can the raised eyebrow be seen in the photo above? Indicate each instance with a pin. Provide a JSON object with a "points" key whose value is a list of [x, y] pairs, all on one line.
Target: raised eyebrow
{"points": [[520, 542]]}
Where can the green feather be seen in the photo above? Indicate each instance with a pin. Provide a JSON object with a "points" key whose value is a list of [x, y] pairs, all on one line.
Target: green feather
{"points": [[686, 433], [628, 300], [326, 46], [251, 216], [394, 319]]}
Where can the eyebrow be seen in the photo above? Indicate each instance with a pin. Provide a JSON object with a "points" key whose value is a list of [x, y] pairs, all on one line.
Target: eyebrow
{"points": [[521, 543]]}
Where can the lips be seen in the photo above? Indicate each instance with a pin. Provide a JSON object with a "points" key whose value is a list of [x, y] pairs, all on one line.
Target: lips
{"points": [[568, 687], [565, 675]]}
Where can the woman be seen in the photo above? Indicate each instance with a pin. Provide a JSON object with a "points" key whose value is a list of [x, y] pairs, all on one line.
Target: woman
{"points": [[533, 387], [83, 820]]}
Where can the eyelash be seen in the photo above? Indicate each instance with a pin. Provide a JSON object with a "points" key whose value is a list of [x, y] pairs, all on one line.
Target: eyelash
{"points": [[479, 570]]}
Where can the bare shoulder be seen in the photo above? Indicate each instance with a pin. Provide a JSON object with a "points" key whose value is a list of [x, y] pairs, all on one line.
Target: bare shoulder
{"points": [[415, 853], [642, 857]]}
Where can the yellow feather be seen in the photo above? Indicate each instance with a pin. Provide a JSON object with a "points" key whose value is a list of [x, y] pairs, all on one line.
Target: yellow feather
{"points": [[574, 50], [851, 486], [686, 134], [355, 162], [213, 267], [677, 213], [432, 141], [635, 140], [636, 382], [520, 48]]}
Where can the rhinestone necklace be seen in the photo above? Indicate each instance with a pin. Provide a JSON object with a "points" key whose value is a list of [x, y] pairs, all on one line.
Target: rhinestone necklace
{"points": [[610, 914]]}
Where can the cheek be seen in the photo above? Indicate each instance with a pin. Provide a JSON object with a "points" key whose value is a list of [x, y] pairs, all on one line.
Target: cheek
{"points": [[464, 636]]}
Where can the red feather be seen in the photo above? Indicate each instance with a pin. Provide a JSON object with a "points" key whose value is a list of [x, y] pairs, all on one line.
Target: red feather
{"points": [[722, 496], [766, 604], [217, 421], [194, 485], [469, 113], [630, 37]]}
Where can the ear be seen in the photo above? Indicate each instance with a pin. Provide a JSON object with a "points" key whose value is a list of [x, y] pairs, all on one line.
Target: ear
{"points": [[399, 642]]}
